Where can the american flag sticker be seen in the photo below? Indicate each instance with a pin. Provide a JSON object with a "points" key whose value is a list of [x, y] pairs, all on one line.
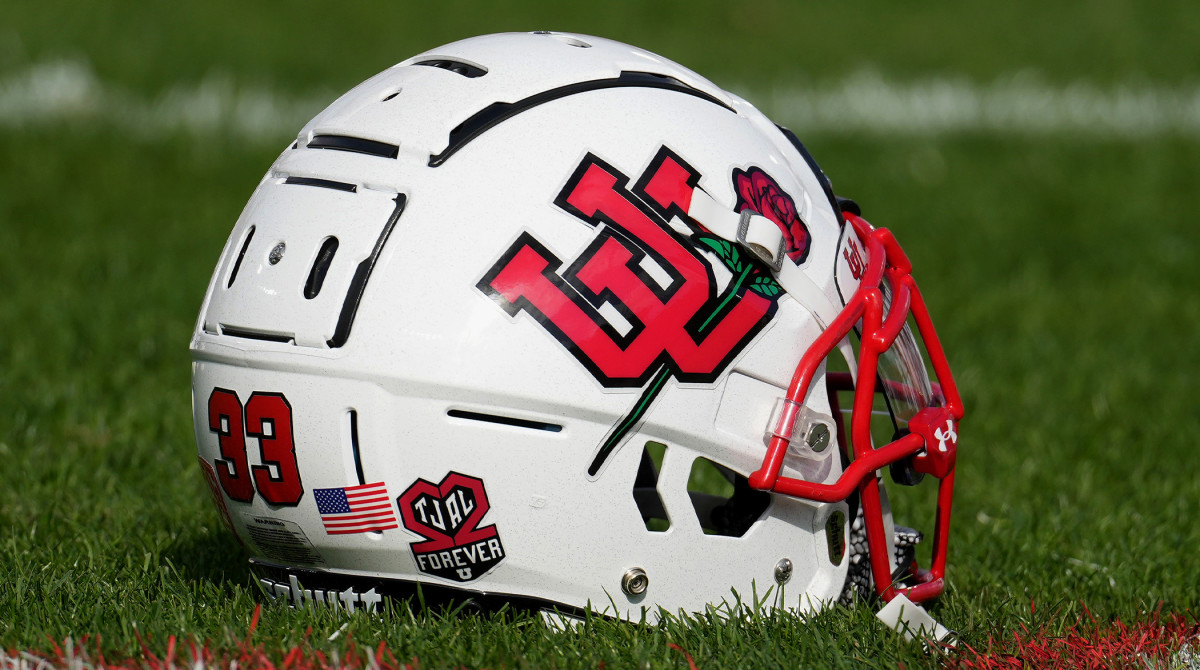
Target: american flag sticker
{"points": [[355, 509]]}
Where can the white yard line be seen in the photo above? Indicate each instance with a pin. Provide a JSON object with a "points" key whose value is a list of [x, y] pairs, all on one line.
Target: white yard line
{"points": [[1019, 104], [67, 92]]}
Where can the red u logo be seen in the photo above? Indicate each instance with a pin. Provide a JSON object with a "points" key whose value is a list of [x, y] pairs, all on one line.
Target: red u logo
{"points": [[686, 328]]}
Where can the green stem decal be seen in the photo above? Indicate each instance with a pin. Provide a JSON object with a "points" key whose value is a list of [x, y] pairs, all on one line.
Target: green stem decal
{"points": [[630, 420], [733, 291]]}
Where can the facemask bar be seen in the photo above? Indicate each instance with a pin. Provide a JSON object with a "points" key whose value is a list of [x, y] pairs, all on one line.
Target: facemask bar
{"points": [[932, 439]]}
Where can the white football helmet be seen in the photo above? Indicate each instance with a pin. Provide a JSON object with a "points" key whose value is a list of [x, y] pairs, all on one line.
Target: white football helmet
{"points": [[550, 320]]}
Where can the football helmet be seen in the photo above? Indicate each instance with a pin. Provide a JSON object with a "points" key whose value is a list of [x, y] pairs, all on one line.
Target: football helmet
{"points": [[550, 320]]}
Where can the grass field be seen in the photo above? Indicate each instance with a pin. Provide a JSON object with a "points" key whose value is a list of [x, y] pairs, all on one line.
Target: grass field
{"points": [[1061, 264]]}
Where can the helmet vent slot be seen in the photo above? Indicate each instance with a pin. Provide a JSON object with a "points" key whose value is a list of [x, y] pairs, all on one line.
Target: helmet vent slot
{"points": [[725, 503], [320, 266], [504, 420], [249, 334], [356, 145], [645, 488], [358, 466], [565, 39], [241, 254], [456, 66], [322, 183]]}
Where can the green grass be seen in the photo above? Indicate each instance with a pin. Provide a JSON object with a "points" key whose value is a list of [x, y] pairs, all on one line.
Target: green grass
{"points": [[751, 42], [1062, 273]]}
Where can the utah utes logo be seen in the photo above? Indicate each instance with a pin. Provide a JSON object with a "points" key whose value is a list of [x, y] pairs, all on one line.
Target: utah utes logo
{"points": [[854, 259], [684, 326], [447, 515]]}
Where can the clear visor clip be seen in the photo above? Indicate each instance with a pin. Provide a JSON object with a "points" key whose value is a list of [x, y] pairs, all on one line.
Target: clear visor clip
{"points": [[809, 433]]}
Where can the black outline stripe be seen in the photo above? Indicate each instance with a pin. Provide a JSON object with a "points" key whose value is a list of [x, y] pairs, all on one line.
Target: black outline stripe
{"points": [[504, 420], [358, 284], [356, 145], [498, 112]]}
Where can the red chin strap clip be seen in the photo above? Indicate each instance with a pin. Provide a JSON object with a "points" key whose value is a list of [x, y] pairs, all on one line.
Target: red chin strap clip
{"points": [[932, 438]]}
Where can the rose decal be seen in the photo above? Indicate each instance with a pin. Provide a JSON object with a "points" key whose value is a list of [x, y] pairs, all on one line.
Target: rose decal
{"points": [[758, 192]]}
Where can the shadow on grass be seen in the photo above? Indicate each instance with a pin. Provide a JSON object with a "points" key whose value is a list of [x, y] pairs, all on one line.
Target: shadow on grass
{"points": [[213, 557]]}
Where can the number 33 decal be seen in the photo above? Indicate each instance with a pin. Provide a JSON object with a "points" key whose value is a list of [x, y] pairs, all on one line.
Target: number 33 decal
{"points": [[268, 419]]}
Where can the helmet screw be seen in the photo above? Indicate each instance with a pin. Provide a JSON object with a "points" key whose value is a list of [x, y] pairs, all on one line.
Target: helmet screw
{"points": [[276, 254], [783, 570], [818, 437], [635, 581]]}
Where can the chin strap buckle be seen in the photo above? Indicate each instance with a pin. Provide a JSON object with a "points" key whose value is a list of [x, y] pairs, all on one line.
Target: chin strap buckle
{"points": [[912, 622]]}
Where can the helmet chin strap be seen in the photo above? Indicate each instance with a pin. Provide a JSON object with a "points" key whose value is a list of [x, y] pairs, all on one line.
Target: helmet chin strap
{"points": [[763, 238], [800, 286]]}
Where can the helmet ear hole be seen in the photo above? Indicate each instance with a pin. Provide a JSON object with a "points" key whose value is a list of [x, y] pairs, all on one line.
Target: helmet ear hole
{"points": [[725, 503]]}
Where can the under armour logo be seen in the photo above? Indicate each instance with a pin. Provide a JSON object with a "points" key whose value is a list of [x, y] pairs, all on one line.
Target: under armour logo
{"points": [[947, 435]]}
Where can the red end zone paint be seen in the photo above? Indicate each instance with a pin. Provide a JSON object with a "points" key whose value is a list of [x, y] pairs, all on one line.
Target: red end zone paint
{"points": [[85, 653], [1172, 641]]}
